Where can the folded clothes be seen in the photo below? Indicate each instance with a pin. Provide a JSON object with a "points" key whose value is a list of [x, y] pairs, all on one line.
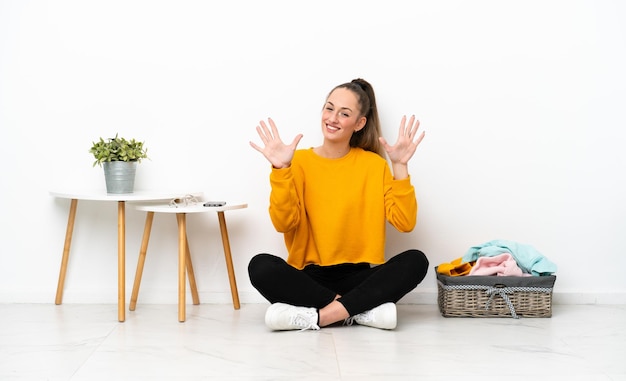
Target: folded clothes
{"points": [[455, 268], [501, 265], [528, 258]]}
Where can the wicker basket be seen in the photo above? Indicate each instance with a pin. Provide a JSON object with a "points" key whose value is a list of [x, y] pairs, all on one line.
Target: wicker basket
{"points": [[495, 296]]}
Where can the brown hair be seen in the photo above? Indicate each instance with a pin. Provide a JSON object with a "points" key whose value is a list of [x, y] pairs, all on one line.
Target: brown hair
{"points": [[367, 137]]}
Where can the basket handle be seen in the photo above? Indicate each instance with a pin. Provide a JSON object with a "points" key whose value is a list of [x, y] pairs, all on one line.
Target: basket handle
{"points": [[502, 291]]}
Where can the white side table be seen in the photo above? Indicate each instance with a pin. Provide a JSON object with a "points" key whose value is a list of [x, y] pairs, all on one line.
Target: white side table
{"points": [[121, 199], [184, 257]]}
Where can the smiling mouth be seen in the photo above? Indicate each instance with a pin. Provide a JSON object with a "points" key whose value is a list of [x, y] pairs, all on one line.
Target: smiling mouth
{"points": [[332, 128]]}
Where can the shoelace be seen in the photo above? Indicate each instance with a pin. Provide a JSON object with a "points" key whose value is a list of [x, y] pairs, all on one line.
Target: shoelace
{"points": [[305, 321], [363, 316], [349, 321]]}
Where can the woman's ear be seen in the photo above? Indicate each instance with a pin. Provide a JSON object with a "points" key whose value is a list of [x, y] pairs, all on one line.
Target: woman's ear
{"points": [[360, 124]]}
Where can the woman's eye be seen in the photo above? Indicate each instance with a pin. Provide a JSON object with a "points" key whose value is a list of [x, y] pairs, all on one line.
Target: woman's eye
{"points": [[345, 115]]}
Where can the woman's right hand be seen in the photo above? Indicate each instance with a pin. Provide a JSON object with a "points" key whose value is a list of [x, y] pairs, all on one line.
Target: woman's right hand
{"points": [[275, 151]]}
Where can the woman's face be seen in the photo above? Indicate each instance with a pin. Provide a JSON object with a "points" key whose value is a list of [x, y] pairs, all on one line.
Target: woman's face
{"points": [[341, 116]]}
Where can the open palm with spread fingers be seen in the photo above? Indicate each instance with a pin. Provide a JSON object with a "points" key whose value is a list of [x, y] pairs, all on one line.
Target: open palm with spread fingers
{"points": [[407, 142], [275, 151]]}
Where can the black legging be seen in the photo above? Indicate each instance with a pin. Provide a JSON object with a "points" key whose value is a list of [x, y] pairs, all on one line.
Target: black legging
{"points": [[361, 286]]}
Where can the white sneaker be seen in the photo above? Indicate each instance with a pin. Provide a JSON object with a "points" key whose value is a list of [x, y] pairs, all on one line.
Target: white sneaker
{"points": [[383, 316], [283, 317]]}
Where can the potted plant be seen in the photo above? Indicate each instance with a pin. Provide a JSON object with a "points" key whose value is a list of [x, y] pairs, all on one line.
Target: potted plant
{"points": [[119, 158]]}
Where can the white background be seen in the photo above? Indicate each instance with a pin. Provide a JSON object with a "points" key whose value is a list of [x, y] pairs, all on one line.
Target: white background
{"points": [[522, 103]]}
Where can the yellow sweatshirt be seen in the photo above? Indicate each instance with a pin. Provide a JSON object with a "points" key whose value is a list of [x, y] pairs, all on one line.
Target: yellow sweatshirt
{"points": [[333, 211]]}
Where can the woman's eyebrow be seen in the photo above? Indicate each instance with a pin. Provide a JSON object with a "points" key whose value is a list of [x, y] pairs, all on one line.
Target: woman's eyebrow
{"points": [[341, 108]]}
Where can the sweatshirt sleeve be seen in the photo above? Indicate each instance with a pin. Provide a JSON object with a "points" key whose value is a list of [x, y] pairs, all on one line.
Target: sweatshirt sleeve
{"points": [[284, 206], [400, 204]]}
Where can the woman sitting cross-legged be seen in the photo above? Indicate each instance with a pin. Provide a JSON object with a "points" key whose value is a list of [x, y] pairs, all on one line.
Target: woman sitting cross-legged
{"points": [[332, 203]]}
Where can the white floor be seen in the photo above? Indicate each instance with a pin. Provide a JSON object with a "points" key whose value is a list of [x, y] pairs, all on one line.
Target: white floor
{"points": [[86, 342]]}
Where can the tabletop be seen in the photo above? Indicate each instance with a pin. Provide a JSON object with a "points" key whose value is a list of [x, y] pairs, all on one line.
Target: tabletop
{"points": [[138, 195], [193, 208]]}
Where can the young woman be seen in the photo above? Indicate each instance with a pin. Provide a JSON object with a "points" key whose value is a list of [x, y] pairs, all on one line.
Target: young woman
{"points": [[332, 202]]}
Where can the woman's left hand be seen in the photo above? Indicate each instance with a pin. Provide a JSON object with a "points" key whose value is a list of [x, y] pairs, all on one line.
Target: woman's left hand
{"points": [[407, 142]]}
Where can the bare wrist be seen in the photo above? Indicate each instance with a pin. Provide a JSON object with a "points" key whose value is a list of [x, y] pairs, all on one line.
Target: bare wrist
{"points": [[400, 171]]}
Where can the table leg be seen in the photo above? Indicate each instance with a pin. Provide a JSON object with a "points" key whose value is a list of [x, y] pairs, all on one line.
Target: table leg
{"points": [[121, 260], [66, 251], [190, 273], [142, 260], [229, 260], [182, 254]]}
